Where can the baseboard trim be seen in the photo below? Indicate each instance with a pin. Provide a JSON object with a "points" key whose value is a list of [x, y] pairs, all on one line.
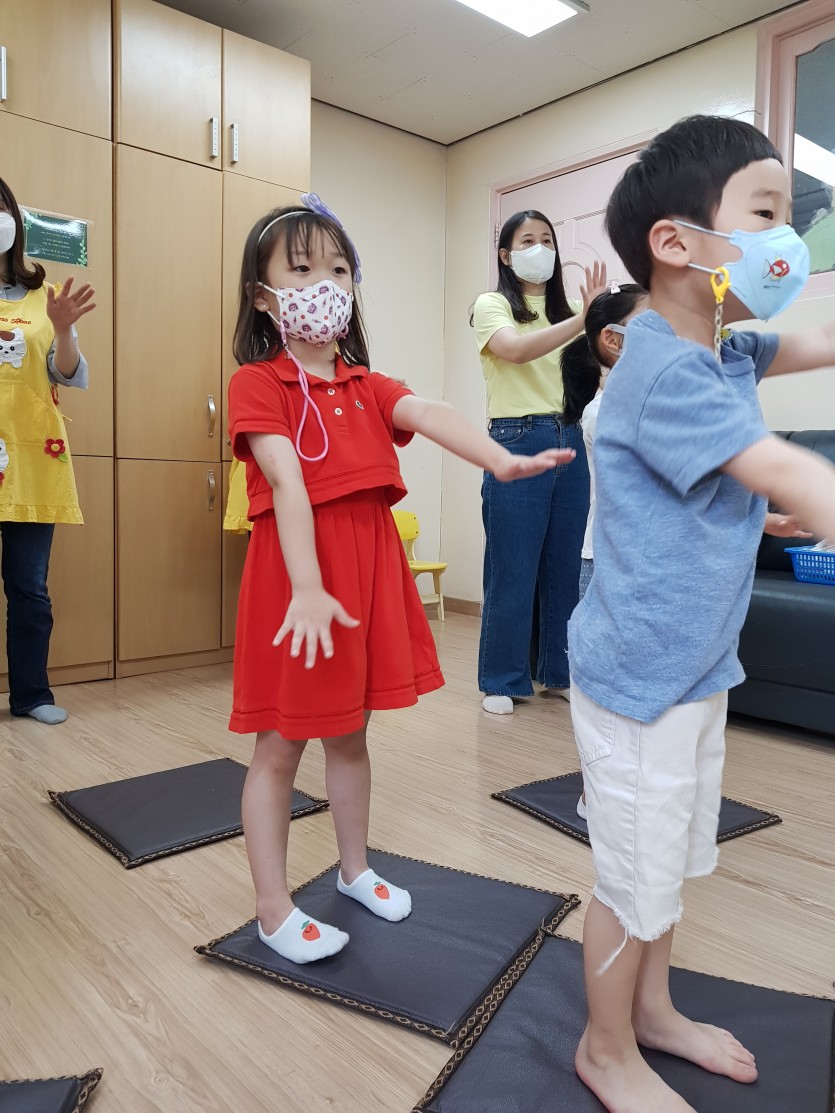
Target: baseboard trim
{"points": [[463, 606], [170, 664]]}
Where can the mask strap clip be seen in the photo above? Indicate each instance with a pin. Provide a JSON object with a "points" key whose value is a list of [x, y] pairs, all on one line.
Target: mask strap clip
{"points": [[720, 281]]}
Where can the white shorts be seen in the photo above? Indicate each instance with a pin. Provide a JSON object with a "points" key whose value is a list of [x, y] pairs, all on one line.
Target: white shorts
{"points": [[653, 792]]}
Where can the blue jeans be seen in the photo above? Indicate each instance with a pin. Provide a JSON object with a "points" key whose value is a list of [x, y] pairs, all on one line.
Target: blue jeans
{"points": [[25, 563], [534, 530]]}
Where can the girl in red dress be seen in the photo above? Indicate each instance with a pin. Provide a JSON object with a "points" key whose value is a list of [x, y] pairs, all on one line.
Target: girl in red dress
{"points": [[330, 624]]}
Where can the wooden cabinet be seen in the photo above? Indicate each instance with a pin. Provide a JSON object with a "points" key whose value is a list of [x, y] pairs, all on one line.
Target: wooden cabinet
{"points": [[169, 543], [266, 112], [234, 547], [61, 171], [167, 81], [58, 63], [187, 89], [81, 575], [244, 200], [168, 282]]}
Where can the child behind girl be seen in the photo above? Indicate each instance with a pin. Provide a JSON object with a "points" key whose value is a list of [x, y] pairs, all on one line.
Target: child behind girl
{"points": [[586, 363], [330, 624]]}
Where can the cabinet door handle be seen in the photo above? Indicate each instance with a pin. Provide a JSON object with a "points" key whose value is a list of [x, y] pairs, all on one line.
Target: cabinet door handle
{"points": [[212, 486], [235, 146], [215, 126], [4, 91], [212, 415]]}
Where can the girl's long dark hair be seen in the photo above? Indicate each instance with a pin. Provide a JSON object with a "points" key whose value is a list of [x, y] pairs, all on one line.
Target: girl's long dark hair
{"points": [[580, 360], [19, 274], [556, 303], [257, 338]]}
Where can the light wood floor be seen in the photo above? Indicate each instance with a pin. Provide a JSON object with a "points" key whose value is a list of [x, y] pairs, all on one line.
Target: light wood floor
{"points": [[96, 963]]}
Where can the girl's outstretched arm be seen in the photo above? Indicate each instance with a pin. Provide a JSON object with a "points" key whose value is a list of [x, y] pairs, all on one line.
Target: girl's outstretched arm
{"points": [[311, 609], [444, 425]]}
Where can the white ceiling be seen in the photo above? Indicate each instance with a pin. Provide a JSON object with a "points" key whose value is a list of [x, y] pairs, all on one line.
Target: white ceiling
{"points": [[441, 70]]}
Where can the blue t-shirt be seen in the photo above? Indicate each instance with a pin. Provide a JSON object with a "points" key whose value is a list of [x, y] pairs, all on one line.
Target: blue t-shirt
{"points": [[675, 539]]}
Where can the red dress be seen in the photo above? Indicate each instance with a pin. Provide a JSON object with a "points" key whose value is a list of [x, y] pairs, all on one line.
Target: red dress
{"points": [[389, 659]]}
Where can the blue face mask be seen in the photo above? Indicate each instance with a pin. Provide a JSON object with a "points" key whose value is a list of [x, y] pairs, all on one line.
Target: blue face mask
{"points": [[772, 271]]}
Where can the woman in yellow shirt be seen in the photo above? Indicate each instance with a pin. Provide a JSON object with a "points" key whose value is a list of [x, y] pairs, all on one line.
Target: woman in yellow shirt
{"points": [[534, 531], [38, 351]]}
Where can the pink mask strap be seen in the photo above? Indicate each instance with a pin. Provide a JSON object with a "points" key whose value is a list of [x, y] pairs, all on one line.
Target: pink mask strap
{"points": [[309, 404]]}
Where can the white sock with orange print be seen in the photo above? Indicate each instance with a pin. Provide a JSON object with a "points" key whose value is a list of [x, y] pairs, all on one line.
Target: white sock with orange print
{"points": [[302, 939], [380, 897]]}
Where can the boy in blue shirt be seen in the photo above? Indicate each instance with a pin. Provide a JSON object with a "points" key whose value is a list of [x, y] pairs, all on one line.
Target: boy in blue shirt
{"points": [[685, 466]]}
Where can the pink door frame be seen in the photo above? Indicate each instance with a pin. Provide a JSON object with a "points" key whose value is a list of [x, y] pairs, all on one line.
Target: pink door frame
{"points": [[556, 170], [775, 98]]}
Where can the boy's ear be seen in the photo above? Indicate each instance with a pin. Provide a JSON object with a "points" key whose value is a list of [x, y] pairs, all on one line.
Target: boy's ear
{"points": [[669, 243]]}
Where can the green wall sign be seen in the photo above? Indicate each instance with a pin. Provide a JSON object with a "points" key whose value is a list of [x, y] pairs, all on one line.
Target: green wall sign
{"points": [[60, 239]]}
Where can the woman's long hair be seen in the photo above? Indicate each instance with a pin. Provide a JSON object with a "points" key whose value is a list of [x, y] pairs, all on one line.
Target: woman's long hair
{"points": [[556, 303], [19, 274], [580, 360], [257, 338]]}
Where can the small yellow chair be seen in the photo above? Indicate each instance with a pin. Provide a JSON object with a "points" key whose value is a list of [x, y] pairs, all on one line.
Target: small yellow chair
{"points": [[409, 529]]}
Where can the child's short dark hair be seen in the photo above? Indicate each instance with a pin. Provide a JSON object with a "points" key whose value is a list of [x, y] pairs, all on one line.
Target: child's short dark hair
{"points": [[682, 173]]}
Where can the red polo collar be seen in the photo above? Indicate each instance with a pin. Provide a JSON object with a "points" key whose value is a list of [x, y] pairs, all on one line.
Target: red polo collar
{"points": [[288, 372]]}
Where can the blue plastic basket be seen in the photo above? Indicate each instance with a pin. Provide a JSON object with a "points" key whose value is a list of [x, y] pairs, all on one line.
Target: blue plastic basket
{"points": [[813, 566]]}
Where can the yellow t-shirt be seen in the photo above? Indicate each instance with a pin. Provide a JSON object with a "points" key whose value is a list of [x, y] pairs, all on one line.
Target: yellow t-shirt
{"points": [[517, 389], [36, 477]]}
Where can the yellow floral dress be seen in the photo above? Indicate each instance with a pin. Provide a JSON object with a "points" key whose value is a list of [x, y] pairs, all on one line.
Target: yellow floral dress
{"points": [[37, 483]]}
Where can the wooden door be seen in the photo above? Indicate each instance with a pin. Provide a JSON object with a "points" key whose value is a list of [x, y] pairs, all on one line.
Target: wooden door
{"points": [[60, 171], [168, 546], [58, 63], [81, 579], [167, 81], [234, 547], [168, 282], [82, 571], [266, 109], [576, 203], [244, 200]]}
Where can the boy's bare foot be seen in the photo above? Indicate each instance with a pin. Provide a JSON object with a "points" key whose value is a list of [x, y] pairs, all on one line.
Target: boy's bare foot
{"points": [[712, 1048], [626, 1083]]}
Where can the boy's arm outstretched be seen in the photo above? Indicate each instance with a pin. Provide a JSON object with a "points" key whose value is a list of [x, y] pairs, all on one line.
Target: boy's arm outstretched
{"points": [[805, 352], [439, 422], [312, 609], [802, 482]]}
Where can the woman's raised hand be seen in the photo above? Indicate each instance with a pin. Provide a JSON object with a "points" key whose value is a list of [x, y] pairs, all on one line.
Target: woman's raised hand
{"points": [[596, 283], [523, 467], [65, 308]]}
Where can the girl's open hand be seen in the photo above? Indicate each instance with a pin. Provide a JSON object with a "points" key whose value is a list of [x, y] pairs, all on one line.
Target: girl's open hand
{"points": [[784, 525], [596, 283], [523, 467], [309, 619], [65, 308]]}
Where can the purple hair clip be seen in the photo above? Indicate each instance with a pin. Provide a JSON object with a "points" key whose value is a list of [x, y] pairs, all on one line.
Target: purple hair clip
{"points": [[316, 205]]}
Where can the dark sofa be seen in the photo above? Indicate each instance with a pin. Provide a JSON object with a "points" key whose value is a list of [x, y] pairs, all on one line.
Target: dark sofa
{"points": [[787, 645]]}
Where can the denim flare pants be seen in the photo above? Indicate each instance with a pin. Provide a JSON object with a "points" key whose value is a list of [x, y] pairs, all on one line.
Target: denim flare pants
{"points": [[534, 530]]}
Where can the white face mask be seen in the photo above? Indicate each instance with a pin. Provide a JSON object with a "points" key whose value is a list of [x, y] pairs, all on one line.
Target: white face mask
{"points": [[534, 264], [8, 232], [316, 314]]}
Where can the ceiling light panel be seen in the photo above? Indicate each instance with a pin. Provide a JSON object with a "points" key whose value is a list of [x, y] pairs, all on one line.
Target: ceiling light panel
{"points": [[528, 17]]}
